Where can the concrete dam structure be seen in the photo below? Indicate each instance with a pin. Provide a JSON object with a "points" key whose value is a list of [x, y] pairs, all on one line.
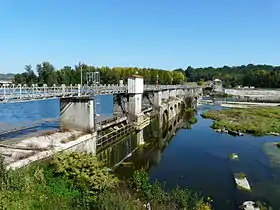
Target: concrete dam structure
{"points": [[134, 107]]}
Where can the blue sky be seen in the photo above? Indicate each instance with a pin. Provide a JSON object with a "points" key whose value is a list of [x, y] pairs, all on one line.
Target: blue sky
{"points": [[145, 33]]}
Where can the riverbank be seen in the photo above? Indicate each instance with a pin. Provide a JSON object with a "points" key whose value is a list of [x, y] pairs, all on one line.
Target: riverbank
{"points": [[79, 181], [257, 121]]}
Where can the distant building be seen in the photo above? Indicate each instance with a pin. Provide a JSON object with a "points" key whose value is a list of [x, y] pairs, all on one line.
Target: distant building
{"points": [[5, 82], [218, 86]]}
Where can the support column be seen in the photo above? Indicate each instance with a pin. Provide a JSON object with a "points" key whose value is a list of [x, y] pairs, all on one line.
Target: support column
{"points": [[165, 95], [157, 98], [140, 138], [77, 113], [135, 91]]}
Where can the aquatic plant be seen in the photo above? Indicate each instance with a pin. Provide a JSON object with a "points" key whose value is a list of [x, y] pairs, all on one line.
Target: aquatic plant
{"points": [[193, 120], [189, 109], [233, 156], [240, 175], [257, 121], [177, 198]]}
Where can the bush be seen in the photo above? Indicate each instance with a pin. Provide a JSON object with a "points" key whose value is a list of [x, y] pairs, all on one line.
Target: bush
{"points": [[177, 198], [35, 187], [85, 171]]}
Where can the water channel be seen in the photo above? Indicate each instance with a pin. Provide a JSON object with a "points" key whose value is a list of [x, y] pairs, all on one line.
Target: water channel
{"points": [[196, 158]]}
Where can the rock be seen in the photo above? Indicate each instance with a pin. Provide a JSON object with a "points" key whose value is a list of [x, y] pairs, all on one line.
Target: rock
{"points": [[147, 206], [249, 205], [242, 182], [274, 134]]}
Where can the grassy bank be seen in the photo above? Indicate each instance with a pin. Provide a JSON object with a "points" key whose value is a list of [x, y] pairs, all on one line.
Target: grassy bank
{"points": [[257, 121], [79, 181]]}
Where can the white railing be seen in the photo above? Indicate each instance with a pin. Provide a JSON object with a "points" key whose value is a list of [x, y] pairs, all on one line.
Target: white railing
{"points": [[12, 92]]}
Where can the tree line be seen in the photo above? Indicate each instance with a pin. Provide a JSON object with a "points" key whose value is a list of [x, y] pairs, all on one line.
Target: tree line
{"points": [[45, 73], [262, 76]]}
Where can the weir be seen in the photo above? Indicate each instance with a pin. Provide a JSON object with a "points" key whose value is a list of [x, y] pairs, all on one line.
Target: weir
{"points": [[80, 130]]}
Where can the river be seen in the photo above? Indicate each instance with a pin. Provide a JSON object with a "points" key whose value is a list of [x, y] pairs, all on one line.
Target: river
{"points": [[196, 158]]}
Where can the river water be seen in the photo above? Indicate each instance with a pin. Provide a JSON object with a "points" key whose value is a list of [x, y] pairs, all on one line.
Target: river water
{"points": [[196, 158]]}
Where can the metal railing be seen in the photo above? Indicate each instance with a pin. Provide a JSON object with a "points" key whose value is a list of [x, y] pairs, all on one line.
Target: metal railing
{"points": [[12, 92]]}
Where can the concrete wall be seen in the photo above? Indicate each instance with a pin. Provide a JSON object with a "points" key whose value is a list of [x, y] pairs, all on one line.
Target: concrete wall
{"points": [[85, 143], [77, 113], [135, 85], [255, 95]]}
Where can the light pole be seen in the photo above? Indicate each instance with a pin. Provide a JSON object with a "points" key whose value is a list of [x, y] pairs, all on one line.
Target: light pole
{"points": [[81, 76], [157, 80]]}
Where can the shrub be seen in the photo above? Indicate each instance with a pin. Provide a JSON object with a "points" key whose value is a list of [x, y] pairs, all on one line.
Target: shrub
{"points": [[177, 198], [85, 171]]}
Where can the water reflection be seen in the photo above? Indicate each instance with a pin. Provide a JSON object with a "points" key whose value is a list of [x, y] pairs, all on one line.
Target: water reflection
{"points": [[143, 157], [197, 158]]}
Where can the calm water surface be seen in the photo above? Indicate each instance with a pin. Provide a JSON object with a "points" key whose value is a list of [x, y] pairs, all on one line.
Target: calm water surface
{"points": [[40, 115], [197, 158]]}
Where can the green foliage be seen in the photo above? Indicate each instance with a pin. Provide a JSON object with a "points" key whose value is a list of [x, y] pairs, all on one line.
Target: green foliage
{"points": [[175, 199], [193, 120], [79, 181], [245, 75], [47, 74], [85, 171], [35, 187], [257, 121], [201, 82], [189, 109], [240, 175]]}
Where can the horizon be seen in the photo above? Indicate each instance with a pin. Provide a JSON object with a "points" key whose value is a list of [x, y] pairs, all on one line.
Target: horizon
{"points": [[159, 34]]}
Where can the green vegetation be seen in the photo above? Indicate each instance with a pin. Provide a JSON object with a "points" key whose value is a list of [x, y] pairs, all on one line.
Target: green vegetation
{"points": [[193, 120], [79, 181], [257, 121], [47, 74], [264, 76], [177, 198], [239, 175], [201, 82], [233, 156], [189, 109]]}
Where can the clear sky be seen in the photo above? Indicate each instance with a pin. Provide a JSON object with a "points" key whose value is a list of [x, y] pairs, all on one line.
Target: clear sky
{"points": [[164, 34]]}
